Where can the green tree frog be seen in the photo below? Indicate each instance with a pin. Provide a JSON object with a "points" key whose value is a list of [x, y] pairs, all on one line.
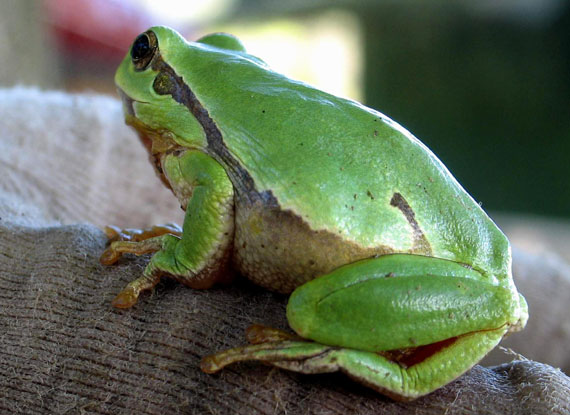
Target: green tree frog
{"points": [[398, 277]]}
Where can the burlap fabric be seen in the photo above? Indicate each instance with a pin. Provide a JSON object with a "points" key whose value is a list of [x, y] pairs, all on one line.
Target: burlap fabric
{"points": [[67, 161]]}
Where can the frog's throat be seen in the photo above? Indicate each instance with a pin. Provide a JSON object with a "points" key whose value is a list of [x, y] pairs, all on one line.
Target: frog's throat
{"points": [[216, 147], [157, 145]]}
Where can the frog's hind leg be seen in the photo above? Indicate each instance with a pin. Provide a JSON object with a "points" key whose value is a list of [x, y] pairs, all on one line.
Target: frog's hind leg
{"points": [[403, 324], [428, 369]]}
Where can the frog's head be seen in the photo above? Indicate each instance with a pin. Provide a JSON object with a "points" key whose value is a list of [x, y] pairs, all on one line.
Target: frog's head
{"points": [[154, 81]]}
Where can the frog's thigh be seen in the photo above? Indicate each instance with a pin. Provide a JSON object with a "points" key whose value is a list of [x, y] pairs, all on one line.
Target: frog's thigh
{"points": [[398, 301]]}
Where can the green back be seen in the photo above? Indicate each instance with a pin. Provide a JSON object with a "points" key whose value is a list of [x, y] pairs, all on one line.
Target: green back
{"points": [[336, 163]]}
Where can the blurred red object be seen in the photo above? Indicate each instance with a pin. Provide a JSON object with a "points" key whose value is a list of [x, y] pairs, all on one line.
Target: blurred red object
{"points": [[100, 29]]}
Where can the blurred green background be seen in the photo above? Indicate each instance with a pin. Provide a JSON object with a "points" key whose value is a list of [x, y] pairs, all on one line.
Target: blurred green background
{"points": [[490, 95], [486, 84]]}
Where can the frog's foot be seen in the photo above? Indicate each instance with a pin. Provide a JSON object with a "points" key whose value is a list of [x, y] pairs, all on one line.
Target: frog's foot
{"points": [[281, 353], [118, 248], [135, 241], [163, 262], [115, 233], [274, 346]]}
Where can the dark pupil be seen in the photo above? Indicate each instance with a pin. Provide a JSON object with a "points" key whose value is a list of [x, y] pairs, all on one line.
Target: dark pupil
{"points": [[141, 47]]}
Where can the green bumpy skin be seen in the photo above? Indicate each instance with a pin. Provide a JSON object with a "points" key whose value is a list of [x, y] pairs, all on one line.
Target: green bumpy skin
{"points": [[398, 278]]}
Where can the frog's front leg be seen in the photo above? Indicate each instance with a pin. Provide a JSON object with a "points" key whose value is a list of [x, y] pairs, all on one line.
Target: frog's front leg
{"points": [[402, 324], [201, 255]]}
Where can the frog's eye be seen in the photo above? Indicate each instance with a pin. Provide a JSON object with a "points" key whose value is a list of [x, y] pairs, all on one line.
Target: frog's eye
{"points": [[143, 50]]}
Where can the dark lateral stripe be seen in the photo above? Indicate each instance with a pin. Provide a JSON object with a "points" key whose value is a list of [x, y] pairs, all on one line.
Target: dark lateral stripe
{"points": [[421, 243], [182, 94]]}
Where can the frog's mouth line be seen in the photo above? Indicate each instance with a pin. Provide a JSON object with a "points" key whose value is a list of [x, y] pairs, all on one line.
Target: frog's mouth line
{"points": [[128, 102], [155, 142], [154, 157]]}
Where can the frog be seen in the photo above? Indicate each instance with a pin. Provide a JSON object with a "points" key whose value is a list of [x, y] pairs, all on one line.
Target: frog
{"points": [[396, 276]]}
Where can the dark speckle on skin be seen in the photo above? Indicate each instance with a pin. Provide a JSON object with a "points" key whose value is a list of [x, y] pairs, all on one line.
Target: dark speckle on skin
{"points": [[421, 243], [369, 194]]}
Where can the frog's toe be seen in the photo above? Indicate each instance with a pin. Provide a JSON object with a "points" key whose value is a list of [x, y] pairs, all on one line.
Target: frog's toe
{"points": [[211, 364], [113, 232], [130, 294], [109, 256], [257, 334], [126, 298]]}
